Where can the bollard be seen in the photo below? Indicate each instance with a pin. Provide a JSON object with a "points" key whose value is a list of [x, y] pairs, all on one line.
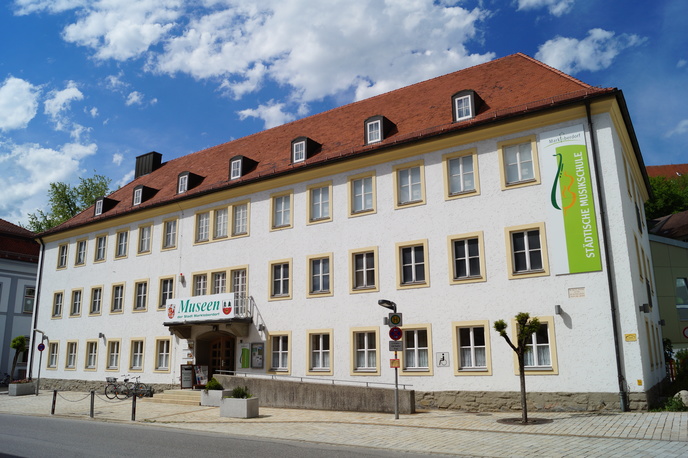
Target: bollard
{"points": [[133, 408], [52, 411], [93, 400]]}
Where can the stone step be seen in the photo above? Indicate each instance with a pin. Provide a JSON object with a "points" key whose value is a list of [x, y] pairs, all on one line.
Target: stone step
{"points": [[181, 397]]}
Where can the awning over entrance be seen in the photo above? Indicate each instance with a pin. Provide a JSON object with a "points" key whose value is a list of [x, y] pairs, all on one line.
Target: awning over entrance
{"points": [[237, 326]]}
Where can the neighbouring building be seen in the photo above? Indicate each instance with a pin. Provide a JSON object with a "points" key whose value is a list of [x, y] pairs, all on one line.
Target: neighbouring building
{"points": [[18, 267], [503, 188]]}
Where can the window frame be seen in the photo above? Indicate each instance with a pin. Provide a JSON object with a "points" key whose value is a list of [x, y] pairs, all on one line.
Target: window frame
{"points": [[80, 252], [145, 243], [213, 285], [114, 298], [55, 315], [72, 302], [420, 370], [551, 334], [456, 342], [310, 369], [298, 151], [364, 370], [199, 284], [160, 344], [311, 201], [71, 352], [234, 218], [138, 297], [235, 166], [53, 360], [397, 172], [271, 275], [502, 147], [138, 196], [122, 244], [468, 96], [91, 311], [330, 276], [162, 292], [202, 230], [353, 285], [509, 231], [217, 234], [272, 369], [274, 198], [351, 183], [62, 255], [113, 348], [29, 299], [374, 121], [169, 237], [400, 247], [91, 352], [446, 167], [100, 251], [451, 242], [98, 210], [182, 182], [132, 349]]}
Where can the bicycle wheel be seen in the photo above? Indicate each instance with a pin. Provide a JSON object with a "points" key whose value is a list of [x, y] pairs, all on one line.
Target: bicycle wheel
{"points": [[123, 392], [140, 390], [111, 391]]}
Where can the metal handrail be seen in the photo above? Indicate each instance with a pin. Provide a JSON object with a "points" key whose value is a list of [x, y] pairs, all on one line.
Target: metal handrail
{"points": [[307, 379]]}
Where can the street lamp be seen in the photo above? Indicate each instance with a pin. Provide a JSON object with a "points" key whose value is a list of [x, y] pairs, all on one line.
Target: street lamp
{"points": [[393, 307], [40, 358], [388, 305]]}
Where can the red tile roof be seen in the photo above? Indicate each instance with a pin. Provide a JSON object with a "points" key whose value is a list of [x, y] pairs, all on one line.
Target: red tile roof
{"points": [[17, 243], [669, 171], [508, 87], [672, 226]]}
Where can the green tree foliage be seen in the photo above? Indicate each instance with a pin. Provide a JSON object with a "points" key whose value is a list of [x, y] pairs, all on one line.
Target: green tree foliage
{"points": [[19, 346], [526, 326], [66, 201], [670, 196]]}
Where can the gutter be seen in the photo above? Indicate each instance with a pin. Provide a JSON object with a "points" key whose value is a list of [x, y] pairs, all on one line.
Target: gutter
{"points": [[35, 309], [621, 378]]}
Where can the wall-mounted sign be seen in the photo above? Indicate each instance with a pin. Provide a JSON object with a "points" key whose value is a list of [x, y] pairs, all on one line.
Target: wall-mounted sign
{"points": [[631, 337], [201, 308], [442, 359], [685, 332]]}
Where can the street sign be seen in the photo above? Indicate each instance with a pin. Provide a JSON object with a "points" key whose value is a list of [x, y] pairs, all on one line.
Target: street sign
{"points": [[394, 320], [41, 346], [396, 345], [442, 359], [395, 333], [394, 363]]}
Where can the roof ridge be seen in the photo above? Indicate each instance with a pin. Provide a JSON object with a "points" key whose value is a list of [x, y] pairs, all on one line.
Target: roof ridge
{"points": [[555, 70]]}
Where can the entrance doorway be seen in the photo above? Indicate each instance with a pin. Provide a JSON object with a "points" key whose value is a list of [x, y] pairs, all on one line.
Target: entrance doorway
{"points": [[222, 355]]}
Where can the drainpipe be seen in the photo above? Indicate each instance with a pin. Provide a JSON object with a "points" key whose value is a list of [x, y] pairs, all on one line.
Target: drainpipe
{"points": [[35, 309], [623, 399]]}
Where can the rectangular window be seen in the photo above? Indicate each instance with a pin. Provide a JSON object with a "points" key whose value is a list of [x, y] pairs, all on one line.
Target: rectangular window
{"points": [[91, 354], [96, 299], [235, 169], [364, 273], [76, 303], [202, 227], [141, 299], [122, 242], [80, 253], [279, 360], [221, 223], [374, 131], [281, 211], [416, 349], [472, 348], [200, 285], [219, 283], [412, 264], [117, 298], [466, 258], [365, 349], [99, 207], [519, 162], [461, 175], [320, 352], [319, 275], [183, 184], [29, 299], [137, 196], [166, 291], [101, 248], [362, 195], [319, 206], [162, 355], [113, 354], [239, 219], [537, 352], [239, 288], [409, 185], [462, 107], [526, 251], [53, 349], [280, 280], [58, 300], [62, 256], [70, 360], [136, 358], [682, 298], [299, 152], [170, 240], [145, 239]]}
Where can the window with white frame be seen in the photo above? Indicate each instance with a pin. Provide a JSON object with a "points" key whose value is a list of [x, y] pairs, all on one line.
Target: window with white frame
{"points": [[409, 185], [518, 163], [70, 360], [170, 239], [138, 193], [319, 203], [117, 298], [320, 275], [461, 173], [29, 299], [280, 279], [320, 352], [96, 299], [463, 107], [281, 211], [466, 256], [537, 352], [76, 303], [141, 299], [526, 249], [682, 298], [374, 131], [202, 227], [113, 354], [298, 151], [162, 355], [166, 291], [122, 242], [53, 349], [362, 194], [101, 248], [365, 349], [219, 282], [200, 284], [145, 239], [62, 256], [279, 360], [239, 219], [235, 169], [416, 349], [136, 358], [58, 300], [221, 223], [183, 183], [239, 282], [80, 253], [472, 349], [364, 274], [91, 354], [99, 207], [412, 264]]}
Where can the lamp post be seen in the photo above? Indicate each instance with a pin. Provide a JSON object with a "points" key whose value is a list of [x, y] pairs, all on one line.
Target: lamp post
{"points": [[40, 358], [393, 307]]}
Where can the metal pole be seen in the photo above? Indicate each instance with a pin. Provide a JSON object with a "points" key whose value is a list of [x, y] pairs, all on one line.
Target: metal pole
{"points": [[133, 407], [396, 390], [52, 411], [93, 400], [40, 363]]}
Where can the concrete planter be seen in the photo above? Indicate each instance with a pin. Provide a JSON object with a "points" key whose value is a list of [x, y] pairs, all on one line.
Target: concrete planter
{"points": [[212, 398], [21, 389], [239, 408]]}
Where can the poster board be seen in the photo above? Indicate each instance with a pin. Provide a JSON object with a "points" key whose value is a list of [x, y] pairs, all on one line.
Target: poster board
{"points": [[257, 355], [187, 376]]}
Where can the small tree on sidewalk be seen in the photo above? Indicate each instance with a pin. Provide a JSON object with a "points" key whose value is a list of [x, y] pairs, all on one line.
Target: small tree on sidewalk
{"points": [[526, 326], [19, 346]]}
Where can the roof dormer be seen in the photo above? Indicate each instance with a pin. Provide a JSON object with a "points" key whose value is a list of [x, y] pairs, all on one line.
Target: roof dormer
{"points": [[240, 166], [377, 128], [303, 148], [465, 105], [102, 205], [142, 193], [187, 180]]}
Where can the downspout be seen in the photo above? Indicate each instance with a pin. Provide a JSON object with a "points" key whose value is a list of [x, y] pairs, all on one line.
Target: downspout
{"points": [[35, 309], [610, 280]]}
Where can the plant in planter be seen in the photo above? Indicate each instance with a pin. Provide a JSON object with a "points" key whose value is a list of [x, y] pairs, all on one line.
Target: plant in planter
{"points": [[213, 393], [240, 404], [21, 387]]}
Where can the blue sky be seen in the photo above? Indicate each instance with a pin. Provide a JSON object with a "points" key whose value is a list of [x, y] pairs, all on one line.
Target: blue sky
{"points": [[88, 85]]}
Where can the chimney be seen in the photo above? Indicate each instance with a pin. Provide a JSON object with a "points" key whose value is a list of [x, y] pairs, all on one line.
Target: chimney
{"points": [[147, 163]]}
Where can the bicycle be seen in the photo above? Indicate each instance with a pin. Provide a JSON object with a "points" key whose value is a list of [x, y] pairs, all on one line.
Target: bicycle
{"points": [[5, 379], [124, 389]]}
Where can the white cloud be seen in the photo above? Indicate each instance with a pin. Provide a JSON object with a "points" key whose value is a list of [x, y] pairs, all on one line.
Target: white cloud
{"points": [[681, 63], [58, 104], [126, 179], [594, 52], [134, 98], [53, 6], [18, 103], [117, 159], [680, 129], [272, 114], [555, 7], [93, 112]]}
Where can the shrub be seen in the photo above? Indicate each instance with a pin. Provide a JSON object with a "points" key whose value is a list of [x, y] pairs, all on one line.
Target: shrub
{"points": [[241, 392], [675, 404], [213, 384]]}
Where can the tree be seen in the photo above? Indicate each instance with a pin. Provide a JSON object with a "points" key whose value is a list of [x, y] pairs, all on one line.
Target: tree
{"points": [[526, 326], [19, 345], [66, 201], [670, 195]]}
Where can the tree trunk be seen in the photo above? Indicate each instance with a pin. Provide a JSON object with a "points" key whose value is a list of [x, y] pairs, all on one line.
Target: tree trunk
{"points": [[522, 377]]}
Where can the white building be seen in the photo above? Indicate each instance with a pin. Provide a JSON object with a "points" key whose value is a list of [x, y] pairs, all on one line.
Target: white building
{"points": [[503, 188]]}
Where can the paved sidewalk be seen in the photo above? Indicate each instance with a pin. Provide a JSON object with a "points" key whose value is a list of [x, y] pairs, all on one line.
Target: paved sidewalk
{"points": [[608, 434]]}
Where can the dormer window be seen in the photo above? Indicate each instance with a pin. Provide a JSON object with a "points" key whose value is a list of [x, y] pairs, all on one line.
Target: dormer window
{"points": [[374, 131], [298, 151], [183, 182], [464, 104], [138, 192], [99, 207], [235, 169]]}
